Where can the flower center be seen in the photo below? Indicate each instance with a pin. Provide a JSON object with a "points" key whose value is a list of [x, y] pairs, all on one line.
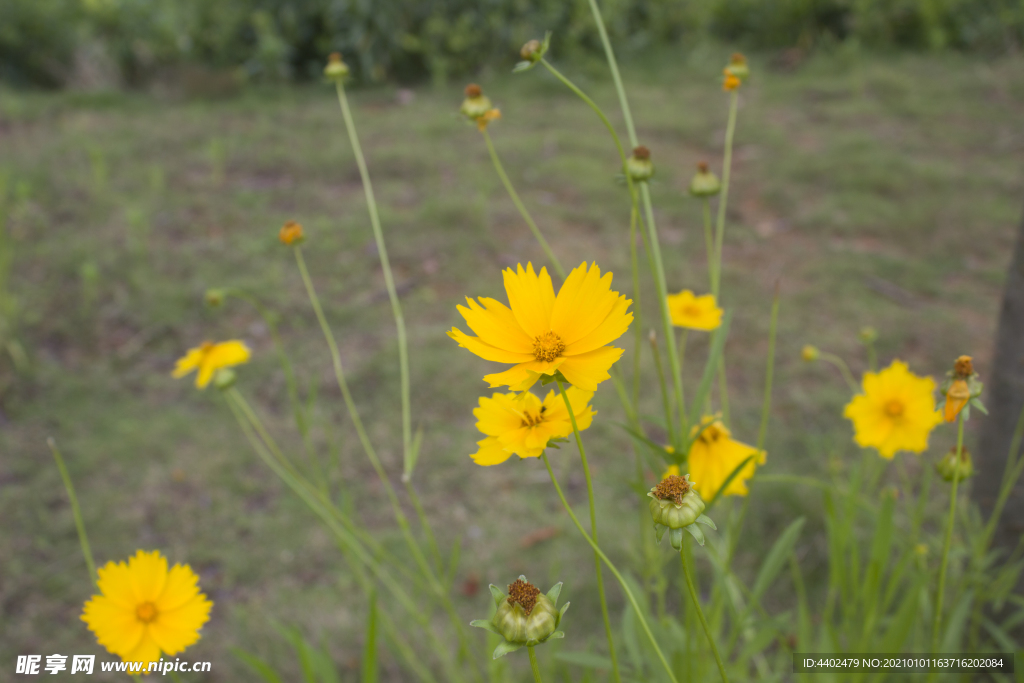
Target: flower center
{"points": [[547, 346], [533, 420], [672, 488], [692, 311], [894, 408], [523, 592], [146, 612]]}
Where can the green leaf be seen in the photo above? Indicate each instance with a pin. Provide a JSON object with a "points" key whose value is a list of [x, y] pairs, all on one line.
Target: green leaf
{"points": [[523, 66], [587, 660], [659, 531], [957, 621], [370, 649], [979, 405], [257, 665], [413, 455], [776, 558], [504, 647], [1002, 638], [903, 622]]}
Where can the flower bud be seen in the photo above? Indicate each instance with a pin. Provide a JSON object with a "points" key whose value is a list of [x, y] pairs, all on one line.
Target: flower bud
{"points": [[291, 234], [867, 335], [639, 166], [336, 70], [531, 51], [704, 183], [810, 353], [476, 103], [525, 616], [730, 82], [738, 66], [675, 506], [488, 116], [224, 378], [214, 297], [951, 467], [962, 389]]}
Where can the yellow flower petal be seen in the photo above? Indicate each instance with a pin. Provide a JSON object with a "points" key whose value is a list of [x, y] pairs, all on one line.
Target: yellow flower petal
{"points": [[587, 370], [583, 303], [611, 328], [485, 350], [714, 456], [524, 375], [148, 575], [491, 452], [189, 362], [175, 630], [146, 651], [694, 312], [495, 324], [115, 627], [531, 297]]}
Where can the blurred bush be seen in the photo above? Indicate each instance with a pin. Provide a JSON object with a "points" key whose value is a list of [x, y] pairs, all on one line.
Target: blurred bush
{"points": [[46, 43]]}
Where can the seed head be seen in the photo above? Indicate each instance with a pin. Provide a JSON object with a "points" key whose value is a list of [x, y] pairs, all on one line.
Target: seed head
{"points": [[523, 592]]}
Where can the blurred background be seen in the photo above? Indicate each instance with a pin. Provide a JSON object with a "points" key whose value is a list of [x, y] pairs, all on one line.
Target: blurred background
{"points": [[151, 150]]}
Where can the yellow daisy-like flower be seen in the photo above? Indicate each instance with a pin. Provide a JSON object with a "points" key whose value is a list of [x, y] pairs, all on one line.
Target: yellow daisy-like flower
{"points": [[544, 334], [145, 609], [210, 357], [713, 457], [522, 424], [896, 412], [694, 312]]}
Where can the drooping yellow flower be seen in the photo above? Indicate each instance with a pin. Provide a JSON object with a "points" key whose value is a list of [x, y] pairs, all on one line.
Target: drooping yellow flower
{"points": [[492, 114], [713, 457], [145, 609], [694, 312], [731, 82], [210, 357], [544, 334], [522, 424], [896, 412], [291, 233]]}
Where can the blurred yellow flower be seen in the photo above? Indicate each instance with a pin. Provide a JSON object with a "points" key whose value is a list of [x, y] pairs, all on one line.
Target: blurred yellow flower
{"points": [[488, 116], [544, 334], [522, 424], [144, 609], [713, 457], [671, 470], [896, 412], [210, 357], [731, 82], [694, 312], [291, 233]]}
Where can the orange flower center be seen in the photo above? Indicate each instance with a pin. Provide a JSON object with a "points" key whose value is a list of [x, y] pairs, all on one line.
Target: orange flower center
{"points": [[547, 346], [533, 420], [894, 408], [693, 311], [146, 612]]}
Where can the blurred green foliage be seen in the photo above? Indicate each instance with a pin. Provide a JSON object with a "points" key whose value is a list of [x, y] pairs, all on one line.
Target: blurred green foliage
{"points": [[42, 42]]}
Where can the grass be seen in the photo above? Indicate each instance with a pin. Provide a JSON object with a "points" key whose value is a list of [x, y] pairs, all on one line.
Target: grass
{"points": [[877, 189]]}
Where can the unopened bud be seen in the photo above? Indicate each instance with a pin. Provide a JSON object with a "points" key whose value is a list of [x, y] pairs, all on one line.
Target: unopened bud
{"points": [[951, 467], [531, 51], [224, 378], [675, 505], [291, 234], [336, 69], [704, 183], [962, 388], [214, 298], [525, 616], [810, 353], [738, 66], [639, 166], [476, 103], [867, 335]]}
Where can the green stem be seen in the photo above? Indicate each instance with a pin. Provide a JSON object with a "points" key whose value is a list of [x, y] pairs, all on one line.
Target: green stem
{"points": [[612, 568], [597, 110], [638, 330], [534, 666], [522, 207], [1014, 466], [593, 531], [940, 594], [670, 423], [682, 364], [700, 615], [666, 319], [614, 68], [425, 524], [769, 372], [843, 368], [76, 511], [723, 198], [723, 387], [389, 280], [709, 241]]}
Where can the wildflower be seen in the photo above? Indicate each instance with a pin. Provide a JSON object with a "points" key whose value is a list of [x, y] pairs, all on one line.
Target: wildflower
{"points": [[952, 467], [523, 424], [524, 617], [704, 183], [488, 116], [291, 233], [542, 334], [810, 353], [671, 470], [896, 412], [961, 387], [476, 103], [738, 66], [639, 166], [336, 69], [715, 455], [208, 358], [144, 609], [675, 505], [214, 298], [731, 82], [867, 335], [694, 312]]}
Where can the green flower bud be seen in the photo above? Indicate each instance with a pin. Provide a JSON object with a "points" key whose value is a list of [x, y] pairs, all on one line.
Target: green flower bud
{"points": [[949, 466], [639, 166], [336, 69], [810, 353], [867, 335], [704, 183], [476, 103], [531, 51], [524, 617], [738, 66], [224, 378], [215, 297], [675, 505]]}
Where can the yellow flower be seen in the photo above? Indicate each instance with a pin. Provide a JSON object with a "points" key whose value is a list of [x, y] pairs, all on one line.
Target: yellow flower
{"points": [[896, 412], [291, 233], [731, 82], [544, 334], [210, 357], [713, 457], [695, 312], [488, 116], [145, 609], [523, 424], [671, 470]]}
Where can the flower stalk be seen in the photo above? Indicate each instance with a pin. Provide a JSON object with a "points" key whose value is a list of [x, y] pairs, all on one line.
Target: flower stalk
{"points": [[947, 541]]}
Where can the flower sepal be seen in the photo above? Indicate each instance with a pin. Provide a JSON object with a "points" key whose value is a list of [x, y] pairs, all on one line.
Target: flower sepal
{"points": [[525, 617]]}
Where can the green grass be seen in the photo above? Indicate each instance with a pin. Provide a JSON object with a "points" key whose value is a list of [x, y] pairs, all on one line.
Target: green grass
{"points": [[878, 190]]}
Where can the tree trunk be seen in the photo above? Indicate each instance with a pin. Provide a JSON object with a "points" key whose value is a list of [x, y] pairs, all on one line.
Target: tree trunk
{"points": [[1004, 398]]}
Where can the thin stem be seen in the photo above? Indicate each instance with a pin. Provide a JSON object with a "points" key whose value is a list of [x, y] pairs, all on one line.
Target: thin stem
{"points": [[597, 110], [534, 665], [1014, 465], [723, 386], [614, 67], [682, 364], [843, 368], [425, 524], [937, 617], [522, 207], [700, 615], [638, 329], [666, 319], [723, 198], [611, 567], [769, 372], [593, 531], [385, 264], [76, 511], [709, 240], [670, 423]]}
